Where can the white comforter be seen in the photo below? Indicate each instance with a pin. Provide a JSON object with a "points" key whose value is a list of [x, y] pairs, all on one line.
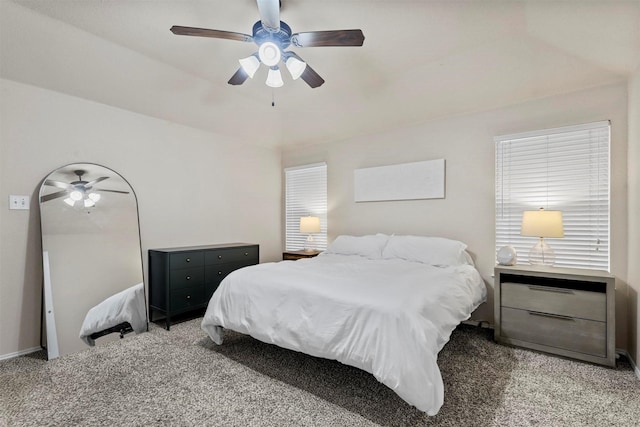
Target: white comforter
{"points": [[387, 317], [125, 306]]}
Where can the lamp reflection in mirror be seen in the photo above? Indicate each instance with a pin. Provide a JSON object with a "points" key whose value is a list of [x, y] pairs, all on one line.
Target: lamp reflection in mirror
{"points": [[541, 224], [77, 198], [309, 225]]}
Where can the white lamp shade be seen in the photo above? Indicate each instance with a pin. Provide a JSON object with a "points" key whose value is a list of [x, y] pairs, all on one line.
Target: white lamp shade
{"points": [[269, 54], [250, 65], [295, 67], [274, 78], [542, 223], [75, 195], [309, 224]]}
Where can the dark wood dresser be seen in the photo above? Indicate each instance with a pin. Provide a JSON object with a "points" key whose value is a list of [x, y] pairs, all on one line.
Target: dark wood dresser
{"points": [[182, 280]]}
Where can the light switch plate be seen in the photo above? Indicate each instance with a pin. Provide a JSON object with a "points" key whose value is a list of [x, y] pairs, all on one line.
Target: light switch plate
{"points": [[19, 202]]}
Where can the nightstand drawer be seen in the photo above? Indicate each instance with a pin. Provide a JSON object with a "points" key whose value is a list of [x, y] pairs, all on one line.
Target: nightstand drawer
{"points": [[186, 298], [231, 255], [562, 301], [187, 277], [580, 335], [186, 260]]}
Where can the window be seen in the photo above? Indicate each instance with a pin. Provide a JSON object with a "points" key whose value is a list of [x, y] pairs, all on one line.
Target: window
{"points": [[565, 169], [305, 194]]}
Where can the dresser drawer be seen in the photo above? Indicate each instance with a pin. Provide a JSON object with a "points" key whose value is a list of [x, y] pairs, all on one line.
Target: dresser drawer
{"points": [[562, 301], [186, 259], [187, 277], [574, 334], [231, 255], [187, 298], [215, 273]]}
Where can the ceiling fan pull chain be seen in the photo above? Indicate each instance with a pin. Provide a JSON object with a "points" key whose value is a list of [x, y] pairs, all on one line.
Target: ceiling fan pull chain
{"points": [[273, 101]]}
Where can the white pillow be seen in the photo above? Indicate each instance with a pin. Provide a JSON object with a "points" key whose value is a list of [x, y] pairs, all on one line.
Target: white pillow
{"points": [[437, 251], [370, 246]]}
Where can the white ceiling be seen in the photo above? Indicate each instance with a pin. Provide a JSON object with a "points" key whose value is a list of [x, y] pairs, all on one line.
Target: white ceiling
{"points": [[421, 60]]}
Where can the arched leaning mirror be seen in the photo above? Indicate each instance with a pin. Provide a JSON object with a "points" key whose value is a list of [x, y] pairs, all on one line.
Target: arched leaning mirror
{"points": [[92, 259]]}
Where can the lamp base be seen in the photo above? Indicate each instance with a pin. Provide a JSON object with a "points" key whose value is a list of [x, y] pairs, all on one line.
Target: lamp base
{"points": [[542, 254], [309, 245]]}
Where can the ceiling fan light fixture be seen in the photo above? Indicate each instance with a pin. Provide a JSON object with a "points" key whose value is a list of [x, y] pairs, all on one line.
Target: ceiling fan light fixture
{"points": [[274, 78], [75, 195], [295, 67], [89, 203], [269, 54], [250, 65], [70, 201], [94, 197]]}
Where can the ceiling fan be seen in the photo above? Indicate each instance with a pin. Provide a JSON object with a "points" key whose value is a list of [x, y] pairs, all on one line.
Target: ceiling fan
{"points": [[78, 192], [272, 37]]}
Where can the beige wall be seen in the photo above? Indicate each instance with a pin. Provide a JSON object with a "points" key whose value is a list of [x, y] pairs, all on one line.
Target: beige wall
{"points": [[193, 187], [634, 218], [467, 212]]}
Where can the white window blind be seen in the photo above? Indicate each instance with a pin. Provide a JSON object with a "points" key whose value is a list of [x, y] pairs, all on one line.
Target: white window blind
{"points": [[305, 194], [565, 169]]}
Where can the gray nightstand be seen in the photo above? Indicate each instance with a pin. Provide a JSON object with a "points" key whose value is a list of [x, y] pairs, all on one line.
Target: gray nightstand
{"points": [[568, 312]]}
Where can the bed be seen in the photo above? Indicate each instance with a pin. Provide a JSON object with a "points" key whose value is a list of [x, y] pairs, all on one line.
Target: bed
{"points": [[121, 313], [384, 304]]}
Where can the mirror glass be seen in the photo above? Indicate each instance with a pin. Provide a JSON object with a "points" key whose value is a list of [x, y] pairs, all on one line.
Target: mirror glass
{"points": [[92, 259]]}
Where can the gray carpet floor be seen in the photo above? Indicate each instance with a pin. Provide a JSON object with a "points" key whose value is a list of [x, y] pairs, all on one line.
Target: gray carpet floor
{"points": [[180, 378]]}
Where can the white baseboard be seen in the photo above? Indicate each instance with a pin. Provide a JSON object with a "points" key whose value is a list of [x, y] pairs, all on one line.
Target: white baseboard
{"points": [[626, 354], [20, 353]]}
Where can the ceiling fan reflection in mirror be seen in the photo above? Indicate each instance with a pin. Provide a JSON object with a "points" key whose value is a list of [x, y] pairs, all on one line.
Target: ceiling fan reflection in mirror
{"points": [[272, 37], [78, 193]]}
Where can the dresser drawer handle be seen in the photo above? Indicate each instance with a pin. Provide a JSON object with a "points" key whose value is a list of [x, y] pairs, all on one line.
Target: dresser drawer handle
{"points": [[554, 316], [219, 273], [188, 277], [546, 289], [219, 256], [188, 259], [246, 254], [188, 296]]}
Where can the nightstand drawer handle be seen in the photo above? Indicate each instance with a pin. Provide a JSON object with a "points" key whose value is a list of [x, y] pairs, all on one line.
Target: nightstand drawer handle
{"points": [[546, 289], [246, 254], [219, 273], [188, 277], [219, 256], [188, 296], [554, 316], [188, 259]]}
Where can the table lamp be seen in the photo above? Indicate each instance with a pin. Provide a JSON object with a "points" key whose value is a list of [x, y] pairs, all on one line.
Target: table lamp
{"points": [[542, 224], [309, 225]]}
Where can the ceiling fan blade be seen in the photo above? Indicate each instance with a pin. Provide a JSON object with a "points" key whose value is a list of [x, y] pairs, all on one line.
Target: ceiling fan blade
{"points": [[95, 181], [52, 196], [110, 191], [238, 78], [58, 184], [328, 38], [205, 32], [312, 78], [270, 14]]}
